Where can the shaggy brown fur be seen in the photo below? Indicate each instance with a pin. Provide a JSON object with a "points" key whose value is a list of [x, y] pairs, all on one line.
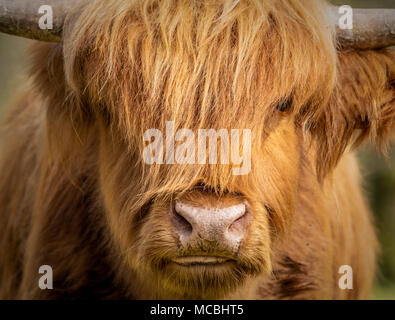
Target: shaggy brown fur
{"points": [[76, 195]]}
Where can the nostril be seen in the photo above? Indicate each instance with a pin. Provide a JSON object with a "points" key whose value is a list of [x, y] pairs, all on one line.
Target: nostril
{"points": [[183, 222], [180, 222], [240, 225]]}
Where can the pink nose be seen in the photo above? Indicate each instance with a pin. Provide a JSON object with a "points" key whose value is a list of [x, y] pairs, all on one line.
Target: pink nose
{"points": [[226, 226]]}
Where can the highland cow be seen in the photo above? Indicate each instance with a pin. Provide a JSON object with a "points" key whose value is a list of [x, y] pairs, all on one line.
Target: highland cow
{"points": [[76, 195]]}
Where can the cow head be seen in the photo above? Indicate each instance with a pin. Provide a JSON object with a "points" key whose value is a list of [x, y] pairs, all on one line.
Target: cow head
{"points": [[197, 230]]}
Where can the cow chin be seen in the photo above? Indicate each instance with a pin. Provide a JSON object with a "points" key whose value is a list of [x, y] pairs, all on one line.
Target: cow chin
{"points": [[203, 280], [203, 274]]}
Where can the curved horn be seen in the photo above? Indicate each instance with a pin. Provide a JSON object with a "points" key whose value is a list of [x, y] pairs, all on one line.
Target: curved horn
{"points": [[21, 18], [372, 29]]}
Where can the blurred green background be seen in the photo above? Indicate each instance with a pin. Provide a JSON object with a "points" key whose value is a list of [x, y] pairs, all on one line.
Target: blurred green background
{"points": [[379, 171]]}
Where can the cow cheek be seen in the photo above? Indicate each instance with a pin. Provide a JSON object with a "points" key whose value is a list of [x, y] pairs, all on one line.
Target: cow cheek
{"points": [[275, 177]]}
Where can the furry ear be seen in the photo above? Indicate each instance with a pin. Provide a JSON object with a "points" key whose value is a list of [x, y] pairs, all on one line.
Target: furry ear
{"points": [[67, 118], [362, 106]]}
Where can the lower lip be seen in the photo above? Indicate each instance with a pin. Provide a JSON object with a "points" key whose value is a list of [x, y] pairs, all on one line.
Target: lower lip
{"points": [[200, 261]]}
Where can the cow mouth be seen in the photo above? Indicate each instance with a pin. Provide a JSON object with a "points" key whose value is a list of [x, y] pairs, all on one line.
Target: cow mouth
{"points": [[188, 261]]}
